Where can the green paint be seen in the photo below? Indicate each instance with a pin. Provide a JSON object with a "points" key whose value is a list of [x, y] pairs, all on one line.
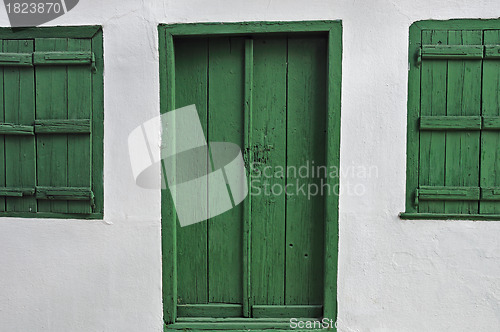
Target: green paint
{"points": [[62, 144], [452, 166], [264, 93]]}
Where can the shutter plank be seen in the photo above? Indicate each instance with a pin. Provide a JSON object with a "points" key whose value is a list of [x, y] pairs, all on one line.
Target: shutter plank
{"points": [[448, 193], [64, 193], [491, 122], [305, 216], [452, 52], [16, 59], [79, 112], [16, 192], [225, 124], [191, 67], [433, 103], [20, 110], [75, 56], [15, 129], [72, 126], [464, 103], [2, 138], [269, 150], [490, 139], [451, 122], [490, 194], [491, 51], [51, 103]]}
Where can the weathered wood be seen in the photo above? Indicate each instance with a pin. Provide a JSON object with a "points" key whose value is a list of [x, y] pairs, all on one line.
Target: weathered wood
{"points": [[491, 51], [64, 193], [463, 104], [491, 122], [490, 194], [225, 124], [264, 224], [16, 59], [450, 122], [452, 52], [2, 138], [332, 147], [433, 103], [19, 97], [245, 28], [16, 192], [413, 133], [168, 214], [284, 311], [449, 216], [98, 123], [16, 129], [191, 87], [210, 310], [50, 32], [443, 193], [305, 216], [51, 103], [269, 149], [72, 126], [490, 137], [79, 121], [247, 204], [81, 57]]}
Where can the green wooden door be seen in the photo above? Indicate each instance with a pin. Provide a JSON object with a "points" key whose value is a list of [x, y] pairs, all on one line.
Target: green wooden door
{"points": [[274, 90], [275, 267]]}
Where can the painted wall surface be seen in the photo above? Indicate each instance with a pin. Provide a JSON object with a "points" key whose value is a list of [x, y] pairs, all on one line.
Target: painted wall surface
{"points": [[394, 275]]}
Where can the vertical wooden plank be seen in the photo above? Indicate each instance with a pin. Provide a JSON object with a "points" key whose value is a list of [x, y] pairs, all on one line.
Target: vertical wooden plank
{"points": [[52, 103], [334, 87], [306, 136], [98, 123], [225, 124], [79, 107], [19, 109], [168, 214], [433, 102], [191, 87], [247, 204], [269, 149], [490, 140], [412, 140], [2, 137], [463, 98]]}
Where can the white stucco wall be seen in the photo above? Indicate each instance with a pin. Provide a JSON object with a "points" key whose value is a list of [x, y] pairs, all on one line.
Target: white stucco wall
{"points": [[394, 275]]}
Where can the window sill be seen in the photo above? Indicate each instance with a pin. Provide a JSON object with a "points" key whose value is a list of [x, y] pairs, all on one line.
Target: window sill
{"points": [[235, 324], [448, 216], [50, 215]]}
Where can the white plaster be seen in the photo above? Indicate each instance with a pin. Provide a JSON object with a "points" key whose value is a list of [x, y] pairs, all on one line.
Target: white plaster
{"points": [[394, 275]]}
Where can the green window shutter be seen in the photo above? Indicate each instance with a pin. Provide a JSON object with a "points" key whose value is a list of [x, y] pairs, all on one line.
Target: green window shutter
{"points": [[450, 121], [17, 142], [454, 123], [63, 70], [51, 124]]}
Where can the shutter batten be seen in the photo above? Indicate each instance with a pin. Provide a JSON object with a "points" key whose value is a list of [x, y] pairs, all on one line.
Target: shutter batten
{"points": [[63, 58]]}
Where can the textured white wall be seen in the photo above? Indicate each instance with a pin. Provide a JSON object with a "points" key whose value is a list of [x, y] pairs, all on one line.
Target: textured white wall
{"points": [[394, 275]]}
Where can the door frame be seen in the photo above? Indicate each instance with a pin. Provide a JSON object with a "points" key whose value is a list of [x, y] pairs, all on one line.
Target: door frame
{"points": [[333, 31]]}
